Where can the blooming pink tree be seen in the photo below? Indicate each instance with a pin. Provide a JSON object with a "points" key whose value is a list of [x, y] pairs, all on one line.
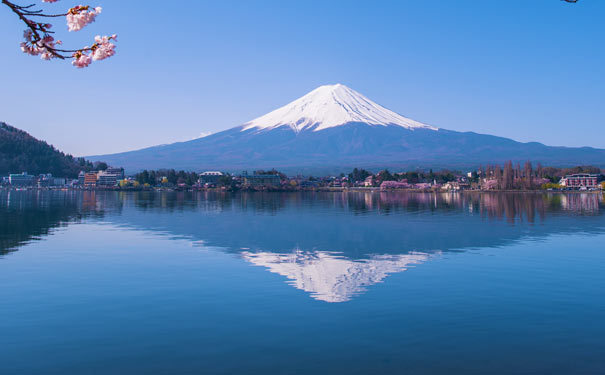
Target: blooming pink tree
{"points": [[39, 40]]}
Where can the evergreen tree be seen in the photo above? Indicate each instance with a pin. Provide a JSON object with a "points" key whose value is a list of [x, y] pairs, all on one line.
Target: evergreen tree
{"points": [[20, 152]]}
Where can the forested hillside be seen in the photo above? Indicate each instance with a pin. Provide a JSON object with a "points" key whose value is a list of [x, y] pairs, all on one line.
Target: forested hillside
{"points": [[20, 152]]}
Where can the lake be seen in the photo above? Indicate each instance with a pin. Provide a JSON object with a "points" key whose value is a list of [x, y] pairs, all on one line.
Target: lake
{"points": [[301, 283]]}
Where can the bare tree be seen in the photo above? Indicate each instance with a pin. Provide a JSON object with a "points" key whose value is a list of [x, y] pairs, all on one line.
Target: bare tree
{"points": [[528, 174]]}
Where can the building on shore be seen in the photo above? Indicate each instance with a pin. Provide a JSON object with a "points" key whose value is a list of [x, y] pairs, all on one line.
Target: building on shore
{"points": [[210, 177], [256, 180], [22, 179], [81, 178], [59, 181], [105, 178], [119, 172], [48, 180], [452, 186], [580, 181], [90, 179]]}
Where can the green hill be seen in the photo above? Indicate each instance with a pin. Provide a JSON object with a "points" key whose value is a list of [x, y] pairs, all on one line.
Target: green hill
{"points": [[20, 152]]}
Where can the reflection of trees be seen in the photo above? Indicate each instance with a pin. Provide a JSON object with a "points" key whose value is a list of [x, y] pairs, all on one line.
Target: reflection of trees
{"points": [[179, 201], [336, 221], [512, 206], [30, 215], [26, 215], [509, 206]]}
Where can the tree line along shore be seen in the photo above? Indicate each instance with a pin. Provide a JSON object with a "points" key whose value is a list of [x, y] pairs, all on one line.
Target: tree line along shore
{"points": [[508, 177]]}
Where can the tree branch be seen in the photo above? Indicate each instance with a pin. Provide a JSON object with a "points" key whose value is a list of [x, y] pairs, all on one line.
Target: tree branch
{"points": [[39, 31]]}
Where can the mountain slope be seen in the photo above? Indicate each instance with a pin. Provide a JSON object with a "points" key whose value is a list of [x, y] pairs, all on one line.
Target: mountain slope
{"points": [[334, 128], [20, 152]]}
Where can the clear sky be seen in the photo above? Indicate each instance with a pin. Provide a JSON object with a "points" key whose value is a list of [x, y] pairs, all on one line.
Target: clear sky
{"points": [[531, 70]]}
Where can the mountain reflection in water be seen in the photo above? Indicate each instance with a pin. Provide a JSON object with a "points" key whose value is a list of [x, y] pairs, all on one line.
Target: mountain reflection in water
{"points": [[331, 277], [331, 245]]}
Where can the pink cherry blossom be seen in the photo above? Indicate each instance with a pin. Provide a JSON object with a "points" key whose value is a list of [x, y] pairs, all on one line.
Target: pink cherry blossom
{"points": [[80, 16], [46, 55], [27, 34], [104, 48], [47, 42], [38, 47], [39, 42], [81, 60], [29, 49], [27, 46]]}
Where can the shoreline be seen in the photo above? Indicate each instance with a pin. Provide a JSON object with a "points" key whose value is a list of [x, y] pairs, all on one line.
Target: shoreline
{"points": [[318, 189]]}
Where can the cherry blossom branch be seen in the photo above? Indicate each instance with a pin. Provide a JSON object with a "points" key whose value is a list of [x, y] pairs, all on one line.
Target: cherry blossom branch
{"points": [[39, 41], [26, 10]]}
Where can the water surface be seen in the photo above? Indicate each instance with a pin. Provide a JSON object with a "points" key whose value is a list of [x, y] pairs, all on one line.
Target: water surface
{"points": [[298, 283]]}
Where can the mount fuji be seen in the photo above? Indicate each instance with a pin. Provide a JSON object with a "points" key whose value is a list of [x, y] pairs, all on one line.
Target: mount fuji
{"points": [[333, 129]]}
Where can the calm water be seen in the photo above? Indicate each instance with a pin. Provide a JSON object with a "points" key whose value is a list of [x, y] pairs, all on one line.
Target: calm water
{"points": [[317, 283]]}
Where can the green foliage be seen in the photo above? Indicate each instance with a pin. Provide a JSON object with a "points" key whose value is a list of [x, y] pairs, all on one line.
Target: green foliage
{"points": [[225, 180], [20, 152], [385, 175], [412, 177], [443, 177], [173, 177], [550, 186], [359, 175], [100, 166]]}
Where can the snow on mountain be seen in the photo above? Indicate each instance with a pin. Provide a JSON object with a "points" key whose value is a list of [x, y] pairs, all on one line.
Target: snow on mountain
{"points": [[329, 277], [329, 106]]}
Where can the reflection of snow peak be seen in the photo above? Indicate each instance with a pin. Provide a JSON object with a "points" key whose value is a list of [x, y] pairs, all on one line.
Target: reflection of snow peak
{"points": [[329, 277]]}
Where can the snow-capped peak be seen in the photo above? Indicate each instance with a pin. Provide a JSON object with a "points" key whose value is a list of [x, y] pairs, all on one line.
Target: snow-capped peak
{"points": [[329, 106]]}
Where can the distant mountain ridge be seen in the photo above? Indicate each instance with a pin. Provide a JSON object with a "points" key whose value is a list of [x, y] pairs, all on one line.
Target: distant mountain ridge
{"points": [[333, 129], [20, 152]]}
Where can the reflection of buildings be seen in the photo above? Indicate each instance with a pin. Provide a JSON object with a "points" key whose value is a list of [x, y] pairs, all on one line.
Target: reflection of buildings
{"points": [[89, 200], [580, 202], [329, 277]]}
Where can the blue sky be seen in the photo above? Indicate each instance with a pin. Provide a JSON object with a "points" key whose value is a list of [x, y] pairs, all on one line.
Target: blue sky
{"points": [[528, 70]]}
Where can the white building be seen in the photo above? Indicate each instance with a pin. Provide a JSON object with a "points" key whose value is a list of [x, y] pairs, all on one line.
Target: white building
{"points": [[580, 180], [105, 178], [210, 177]]}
